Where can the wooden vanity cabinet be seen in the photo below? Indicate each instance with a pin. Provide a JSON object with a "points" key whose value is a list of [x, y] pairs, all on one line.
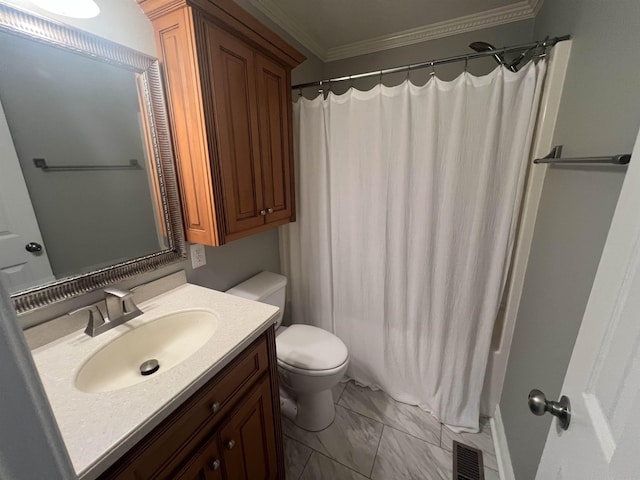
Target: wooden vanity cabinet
{"points": [[228, 83], [229, 430], [248, 449], [243, 448]]}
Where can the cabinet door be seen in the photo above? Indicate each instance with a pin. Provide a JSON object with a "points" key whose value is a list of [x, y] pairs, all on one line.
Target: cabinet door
{"points": [[274, 111], [248, 439], [181, 74], [231, 65], [205, 464]]}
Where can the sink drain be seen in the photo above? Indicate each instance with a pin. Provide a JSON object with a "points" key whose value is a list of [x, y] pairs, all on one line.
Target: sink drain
{"points": [[149, 367]]}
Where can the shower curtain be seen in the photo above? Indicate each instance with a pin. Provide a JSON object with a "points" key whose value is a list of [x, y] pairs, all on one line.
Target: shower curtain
{"points": [[407, 204]]}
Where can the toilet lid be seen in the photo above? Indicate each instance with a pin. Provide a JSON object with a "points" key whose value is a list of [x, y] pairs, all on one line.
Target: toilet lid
{"points": [[310, 348]]}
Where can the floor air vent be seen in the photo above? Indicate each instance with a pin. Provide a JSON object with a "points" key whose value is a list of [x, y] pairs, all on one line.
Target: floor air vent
{"points": [[467, 462]]}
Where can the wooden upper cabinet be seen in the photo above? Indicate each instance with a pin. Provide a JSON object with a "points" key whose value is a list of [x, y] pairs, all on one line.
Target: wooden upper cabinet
{"points": [[274, 112], [232, 68], [228, 83]]}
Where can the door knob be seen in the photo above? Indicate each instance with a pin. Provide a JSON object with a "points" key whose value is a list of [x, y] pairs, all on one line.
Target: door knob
{"points": [[270, 210], [33, 247], [215, 465], [263, 212], [231, 444], [539, 405]]}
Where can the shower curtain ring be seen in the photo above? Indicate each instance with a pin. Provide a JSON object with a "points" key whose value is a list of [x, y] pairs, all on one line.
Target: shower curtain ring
{"points": [[433, 70], [408, 71], [466, 63], [350, 81], [544, 48], [380, 77], [300, 92]]}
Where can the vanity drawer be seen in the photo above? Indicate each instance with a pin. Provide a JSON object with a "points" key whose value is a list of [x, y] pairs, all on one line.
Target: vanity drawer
{"points": [[235, 379], [168, 445]]}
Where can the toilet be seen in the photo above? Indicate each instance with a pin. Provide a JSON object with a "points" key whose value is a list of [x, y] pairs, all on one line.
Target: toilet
{"points": [[311, 361]]}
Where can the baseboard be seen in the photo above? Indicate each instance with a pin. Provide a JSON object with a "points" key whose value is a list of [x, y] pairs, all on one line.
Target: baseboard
{"points": [[505, 468]]}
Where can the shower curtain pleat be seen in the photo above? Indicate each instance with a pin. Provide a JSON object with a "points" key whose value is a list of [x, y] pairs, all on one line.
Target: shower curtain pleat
{"points": [[407, 205]]}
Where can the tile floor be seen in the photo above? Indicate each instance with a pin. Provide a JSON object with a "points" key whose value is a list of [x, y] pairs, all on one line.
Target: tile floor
{"points": [[375, 437]]}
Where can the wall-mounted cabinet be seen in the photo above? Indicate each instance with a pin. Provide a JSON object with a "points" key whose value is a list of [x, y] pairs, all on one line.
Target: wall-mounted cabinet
{"points": [[228, 83]]}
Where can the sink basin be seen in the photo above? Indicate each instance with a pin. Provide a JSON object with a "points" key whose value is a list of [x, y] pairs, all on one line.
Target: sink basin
{"points": [[170, 340]]}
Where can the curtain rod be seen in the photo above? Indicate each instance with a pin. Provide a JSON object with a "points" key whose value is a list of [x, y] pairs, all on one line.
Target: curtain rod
{"points": [[550, 42]]}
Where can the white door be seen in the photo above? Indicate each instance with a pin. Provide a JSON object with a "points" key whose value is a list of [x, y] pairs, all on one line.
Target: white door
{"points": [[18, 225], [603, 378]]}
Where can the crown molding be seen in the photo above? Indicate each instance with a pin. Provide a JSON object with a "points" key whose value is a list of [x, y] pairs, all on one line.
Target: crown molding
{"points": [[536, 5], [516, 12], [290, 25], [477, 21]]}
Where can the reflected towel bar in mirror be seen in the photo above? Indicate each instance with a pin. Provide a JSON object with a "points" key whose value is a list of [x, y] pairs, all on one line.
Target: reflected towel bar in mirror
{"points": [[554, 158], [42, 164]]}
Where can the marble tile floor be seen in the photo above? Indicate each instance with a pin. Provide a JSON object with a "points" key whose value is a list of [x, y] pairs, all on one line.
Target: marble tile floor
{"points": [[374, 437]]}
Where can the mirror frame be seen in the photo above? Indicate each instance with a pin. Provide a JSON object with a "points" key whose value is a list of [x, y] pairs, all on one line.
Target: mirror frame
{"points": [[149, 83]]}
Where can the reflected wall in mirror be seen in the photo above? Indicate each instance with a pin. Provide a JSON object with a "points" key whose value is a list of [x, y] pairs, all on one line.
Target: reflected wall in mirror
{"points": [[87, 187], [81, 117]]}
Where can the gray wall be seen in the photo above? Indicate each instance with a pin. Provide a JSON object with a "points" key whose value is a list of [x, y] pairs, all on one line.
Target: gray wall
{"points": [[599, 115], [30, 443]]}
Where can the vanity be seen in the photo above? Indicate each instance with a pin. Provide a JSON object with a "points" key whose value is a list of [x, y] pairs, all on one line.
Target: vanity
{"points": [[210, 411]]}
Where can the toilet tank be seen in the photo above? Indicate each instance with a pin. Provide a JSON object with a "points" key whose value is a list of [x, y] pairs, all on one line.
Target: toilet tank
{"points": [[265, 287]]}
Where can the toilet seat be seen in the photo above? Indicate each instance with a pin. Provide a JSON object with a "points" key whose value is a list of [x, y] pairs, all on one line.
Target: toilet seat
{"points": [[312, 373], [310, 350]]}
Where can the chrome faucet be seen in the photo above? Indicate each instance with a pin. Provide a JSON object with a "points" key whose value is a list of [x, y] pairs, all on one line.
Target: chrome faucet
{"points": [[120, 309]]}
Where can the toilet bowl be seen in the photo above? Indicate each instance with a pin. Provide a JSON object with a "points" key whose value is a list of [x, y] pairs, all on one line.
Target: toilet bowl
{"points": [[311, 361]]}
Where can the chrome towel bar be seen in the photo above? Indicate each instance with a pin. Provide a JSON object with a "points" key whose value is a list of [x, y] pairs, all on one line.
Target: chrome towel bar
{"points": [[42, 164], [554, 157]]}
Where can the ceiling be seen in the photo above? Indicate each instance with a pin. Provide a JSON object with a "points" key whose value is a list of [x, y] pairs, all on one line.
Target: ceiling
{"points": [[336, 29]]}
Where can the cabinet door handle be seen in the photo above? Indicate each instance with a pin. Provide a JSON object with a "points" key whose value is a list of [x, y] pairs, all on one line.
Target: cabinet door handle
{"points": [[215, 407], [215, 465], [263, 212], [270, 210], [231, 444]]}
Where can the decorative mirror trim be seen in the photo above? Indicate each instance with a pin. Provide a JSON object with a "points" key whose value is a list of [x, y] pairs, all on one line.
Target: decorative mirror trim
{"points": [[150, 86]]}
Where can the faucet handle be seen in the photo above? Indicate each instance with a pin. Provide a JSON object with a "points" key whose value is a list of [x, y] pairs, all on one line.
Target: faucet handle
{"points": [[120, 302], [116, 292], [95, 319]]}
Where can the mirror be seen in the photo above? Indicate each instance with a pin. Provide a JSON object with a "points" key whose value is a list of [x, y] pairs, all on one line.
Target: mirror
{"points": [[88, 193]]}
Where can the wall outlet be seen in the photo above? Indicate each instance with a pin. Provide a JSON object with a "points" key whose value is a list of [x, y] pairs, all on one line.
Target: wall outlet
{"points": [[198, 257]]}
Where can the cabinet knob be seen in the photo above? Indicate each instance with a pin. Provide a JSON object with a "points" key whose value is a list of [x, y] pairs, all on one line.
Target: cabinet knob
{"points": [[263, 212], [270, 210], [231, 444], [215, 465], [215, 407]]}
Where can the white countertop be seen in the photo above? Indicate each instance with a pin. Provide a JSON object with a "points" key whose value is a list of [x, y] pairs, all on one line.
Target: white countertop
{"points": [[98, 428]]}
